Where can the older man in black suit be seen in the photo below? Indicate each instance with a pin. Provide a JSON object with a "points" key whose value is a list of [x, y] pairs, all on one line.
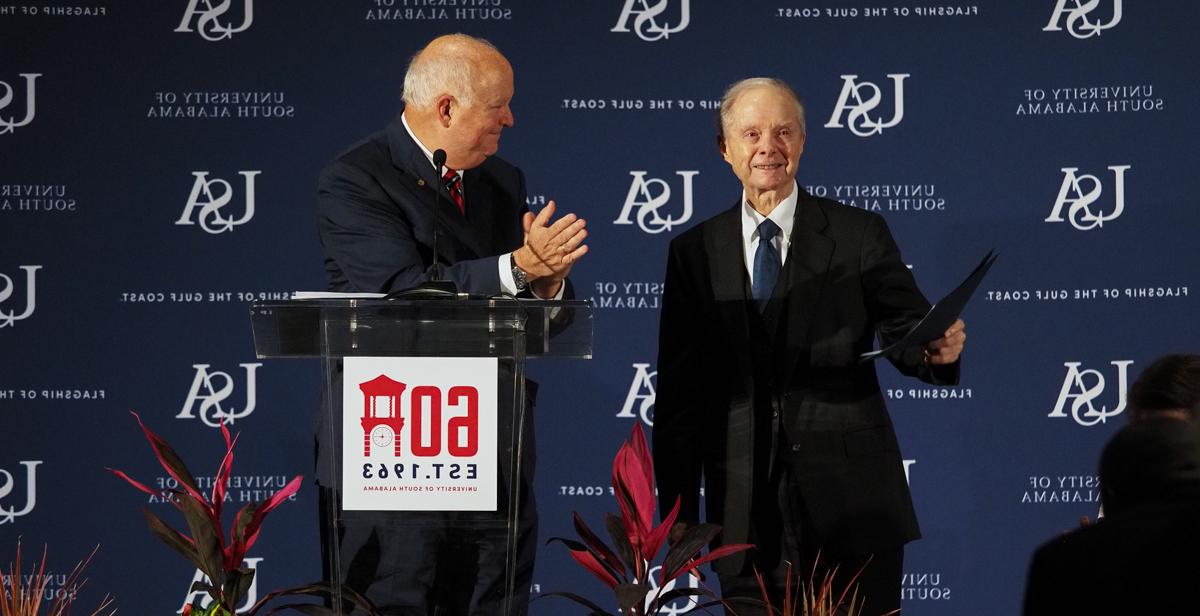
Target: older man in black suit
{"points": [[766, 309]]}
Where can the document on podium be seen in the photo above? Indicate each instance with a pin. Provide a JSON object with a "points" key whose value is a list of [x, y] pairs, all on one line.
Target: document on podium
{"points": [[941, 316]]}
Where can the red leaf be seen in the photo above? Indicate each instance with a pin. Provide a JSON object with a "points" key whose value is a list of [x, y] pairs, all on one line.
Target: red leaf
{"points": [[659, 535], [221, 482], [171, 462], [720, 552], [641, 449], [590, 563], [597, 546], [252, 528], [633, 481], [133, 482], [629, 515]]}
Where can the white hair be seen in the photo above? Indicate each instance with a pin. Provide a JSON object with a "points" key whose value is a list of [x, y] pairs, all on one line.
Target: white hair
{"points": [[739, 88], [448, 65]]}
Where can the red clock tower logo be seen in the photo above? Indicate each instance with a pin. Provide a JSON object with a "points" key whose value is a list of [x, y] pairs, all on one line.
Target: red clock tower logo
{"points": [[381, 420]]}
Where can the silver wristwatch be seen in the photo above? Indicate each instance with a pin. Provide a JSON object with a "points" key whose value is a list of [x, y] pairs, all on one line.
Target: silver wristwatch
{"points": [[518, 275]]}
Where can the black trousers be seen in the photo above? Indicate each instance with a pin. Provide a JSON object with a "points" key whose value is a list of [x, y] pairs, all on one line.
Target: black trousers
{"points": [[432, 563], [785, 553]]}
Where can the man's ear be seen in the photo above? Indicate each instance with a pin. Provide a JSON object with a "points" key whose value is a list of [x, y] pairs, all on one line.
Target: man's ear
{"points": [[446, 105], [722, 147]]}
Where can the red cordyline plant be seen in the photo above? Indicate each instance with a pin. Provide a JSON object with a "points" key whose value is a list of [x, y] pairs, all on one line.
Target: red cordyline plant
{"points": [[626, 569], [22, 594], [218, 556], [811, 599]]}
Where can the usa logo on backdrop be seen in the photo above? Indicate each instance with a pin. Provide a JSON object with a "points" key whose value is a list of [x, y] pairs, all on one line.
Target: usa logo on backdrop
{"points": [[211, 203], [205, 599], [9, 317], [858, 104], [420, 433], [649, 196], [1079, 15], [9, 511], [213, 22], [1083, 387], [211, 388], [679, 606], [8, 114], [1079, 192], [646, 19], [639, 402]]}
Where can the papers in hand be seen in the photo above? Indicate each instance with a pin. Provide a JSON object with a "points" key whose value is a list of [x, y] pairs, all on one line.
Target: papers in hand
{"points": [[941, 316]]}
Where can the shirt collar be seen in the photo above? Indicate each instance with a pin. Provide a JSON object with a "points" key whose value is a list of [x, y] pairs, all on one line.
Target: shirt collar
{"points": [[425, 150], [783, 215]]}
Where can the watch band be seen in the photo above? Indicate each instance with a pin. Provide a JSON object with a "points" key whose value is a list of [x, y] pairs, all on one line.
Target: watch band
{"points": [[519, 278]]}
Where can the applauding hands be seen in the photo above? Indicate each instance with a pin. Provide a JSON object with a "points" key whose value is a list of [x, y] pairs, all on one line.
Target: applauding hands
{"points": [[550, 249]]}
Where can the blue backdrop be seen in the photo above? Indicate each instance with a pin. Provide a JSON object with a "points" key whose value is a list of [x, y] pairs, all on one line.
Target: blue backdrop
{"points": [[158, 163]]}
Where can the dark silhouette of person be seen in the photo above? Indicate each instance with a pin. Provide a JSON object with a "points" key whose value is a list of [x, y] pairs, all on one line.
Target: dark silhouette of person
{"points": [[1142, 557]]}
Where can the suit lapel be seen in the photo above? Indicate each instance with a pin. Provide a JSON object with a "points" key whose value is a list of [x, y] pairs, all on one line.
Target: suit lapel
{"points": [[727, 269], [408, 157], [809, 257]]}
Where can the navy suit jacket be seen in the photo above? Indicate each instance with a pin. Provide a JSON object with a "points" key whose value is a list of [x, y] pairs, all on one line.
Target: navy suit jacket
{"points": [[375, 207], [843, 283]]}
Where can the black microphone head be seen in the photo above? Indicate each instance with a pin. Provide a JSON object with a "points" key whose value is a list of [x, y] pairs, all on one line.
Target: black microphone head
{"points": [[439, 160]]}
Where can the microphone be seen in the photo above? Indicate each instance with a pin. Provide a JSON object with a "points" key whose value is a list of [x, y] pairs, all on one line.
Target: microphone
{"points": [[437, 287], [439, 161]]}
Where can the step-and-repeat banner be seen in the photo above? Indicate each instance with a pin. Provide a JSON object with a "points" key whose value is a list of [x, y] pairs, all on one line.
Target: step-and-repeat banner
{"points": [[158, 164]]}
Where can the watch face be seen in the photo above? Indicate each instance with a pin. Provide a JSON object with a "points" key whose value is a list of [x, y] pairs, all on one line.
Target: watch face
{"points": [[381, 436]]}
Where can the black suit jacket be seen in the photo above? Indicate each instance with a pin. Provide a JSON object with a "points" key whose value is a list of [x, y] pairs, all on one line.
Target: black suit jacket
{"points": [[843, 283]]}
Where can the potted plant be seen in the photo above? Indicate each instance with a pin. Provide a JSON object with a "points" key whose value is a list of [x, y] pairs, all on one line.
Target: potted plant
{"points": [[208, 548], [626, 569]]}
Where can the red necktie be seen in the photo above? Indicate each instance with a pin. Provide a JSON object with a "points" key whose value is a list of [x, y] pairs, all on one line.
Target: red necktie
{"points": [[454, 185]]}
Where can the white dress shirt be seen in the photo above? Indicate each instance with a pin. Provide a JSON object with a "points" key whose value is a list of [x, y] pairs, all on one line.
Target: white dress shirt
{"points": [[783, 215]]}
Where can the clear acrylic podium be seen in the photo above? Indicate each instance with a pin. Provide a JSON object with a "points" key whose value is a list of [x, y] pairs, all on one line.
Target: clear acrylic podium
{"points": [[502, 328]]}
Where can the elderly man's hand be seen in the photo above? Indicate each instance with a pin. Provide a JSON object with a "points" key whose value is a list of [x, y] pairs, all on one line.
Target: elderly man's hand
{"points": [[945, 350], [551, 248]]}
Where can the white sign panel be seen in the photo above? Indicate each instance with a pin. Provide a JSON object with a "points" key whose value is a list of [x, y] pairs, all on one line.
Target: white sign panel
{"points": [[419, 434]]}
